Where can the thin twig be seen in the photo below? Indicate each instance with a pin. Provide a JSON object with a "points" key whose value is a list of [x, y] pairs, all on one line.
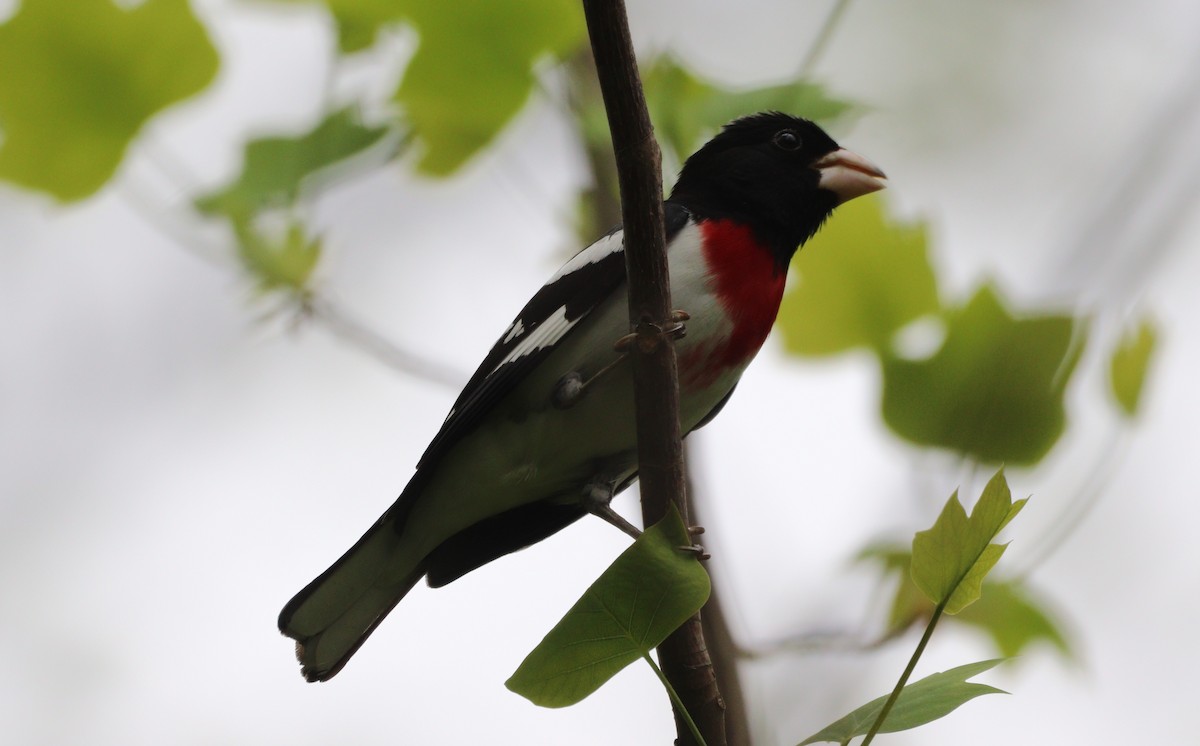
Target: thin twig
{"points": [[821, 40], [349, 329]]}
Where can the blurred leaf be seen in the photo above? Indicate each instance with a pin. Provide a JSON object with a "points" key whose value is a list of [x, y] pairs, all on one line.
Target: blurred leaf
{"points": [[951, 559], [474, 69], [687, 110], [994, 391], [1129, 364], [358, 21], [647, 593], [1007, 610], [908, 604], [1013, 618], [921, 702], [283, 263], [81, 78], [860, 280], [274, 168]]}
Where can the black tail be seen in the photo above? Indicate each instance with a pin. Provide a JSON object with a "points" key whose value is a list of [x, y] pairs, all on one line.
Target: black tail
{"points": [[335, 613]]}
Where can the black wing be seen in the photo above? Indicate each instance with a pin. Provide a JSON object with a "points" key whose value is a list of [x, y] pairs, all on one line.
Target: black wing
{"points": [[583, 283]]}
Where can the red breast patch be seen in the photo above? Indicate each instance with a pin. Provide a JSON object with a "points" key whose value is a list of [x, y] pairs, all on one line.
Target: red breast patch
{"points": [[749, 286]]}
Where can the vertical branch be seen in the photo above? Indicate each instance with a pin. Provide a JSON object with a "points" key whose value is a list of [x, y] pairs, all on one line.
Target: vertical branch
{"points": [[683, 656]]}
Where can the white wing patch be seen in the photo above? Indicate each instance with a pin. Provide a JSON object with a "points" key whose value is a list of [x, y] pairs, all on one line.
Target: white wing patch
{"points": [[546, 334], [514, 331], [599, 249]]}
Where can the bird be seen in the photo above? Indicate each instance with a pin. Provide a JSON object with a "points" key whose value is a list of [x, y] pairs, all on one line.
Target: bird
{"points": [[544, 431]]}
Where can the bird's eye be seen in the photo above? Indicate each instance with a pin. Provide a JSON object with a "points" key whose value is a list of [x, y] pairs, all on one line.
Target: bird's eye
{"points": [[787, 140]]}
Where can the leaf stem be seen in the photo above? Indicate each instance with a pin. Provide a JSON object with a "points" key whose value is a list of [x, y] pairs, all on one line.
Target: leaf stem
{"points": [[687, 717], [822, 38], [912, 664], [349, 329]]}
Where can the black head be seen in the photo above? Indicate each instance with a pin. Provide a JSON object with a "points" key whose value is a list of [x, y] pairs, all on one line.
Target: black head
{"points": [[779, 174]]}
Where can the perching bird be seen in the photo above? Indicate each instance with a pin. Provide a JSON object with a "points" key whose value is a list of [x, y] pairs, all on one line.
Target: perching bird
{"points": [[544, 431]]}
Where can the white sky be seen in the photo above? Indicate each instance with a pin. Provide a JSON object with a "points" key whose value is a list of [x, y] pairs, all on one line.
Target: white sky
{"points": [[172, 469]]}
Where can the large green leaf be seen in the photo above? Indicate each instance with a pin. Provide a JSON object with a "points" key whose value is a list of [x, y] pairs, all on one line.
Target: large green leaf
{"points": [[686, 110], [1131, 359], [474, 69], [858, 282], [275, 168], [921, 702], [994, 391], [951, 559], [80, 79], [651, 589]]}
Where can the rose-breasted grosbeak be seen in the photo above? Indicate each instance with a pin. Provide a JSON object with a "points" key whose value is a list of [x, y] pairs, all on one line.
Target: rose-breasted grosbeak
{"points": [[544, 431]]}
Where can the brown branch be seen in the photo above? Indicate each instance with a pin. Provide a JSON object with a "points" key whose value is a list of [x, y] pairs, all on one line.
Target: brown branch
{"points": [[722, 647], [683, 656]]}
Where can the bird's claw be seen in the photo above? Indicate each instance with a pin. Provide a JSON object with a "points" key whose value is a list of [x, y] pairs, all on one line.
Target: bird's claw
{"points": [[649, 336], [695, 549]]}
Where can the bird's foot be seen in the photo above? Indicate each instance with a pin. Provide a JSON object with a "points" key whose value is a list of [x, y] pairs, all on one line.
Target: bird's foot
{"points": [[695, 549], [597, 500], [649, 336], [572, 387]]}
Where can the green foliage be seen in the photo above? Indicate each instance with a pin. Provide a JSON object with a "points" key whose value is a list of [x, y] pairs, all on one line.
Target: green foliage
{"points": [[686, 110], [951, 559], [474, 67], [275, 168], [81, 78], [359, 21], [921, 702], [949, 562], [651, 589], [1011, 614], [860, 280], [278, 263], [1130, 361], [994, 391], [908, 603]]}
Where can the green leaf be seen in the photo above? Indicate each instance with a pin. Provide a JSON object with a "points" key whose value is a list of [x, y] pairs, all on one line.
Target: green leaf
{"points": [[908, 604], [921, 702], [1014, 618], [1007, 610], [358, 21], [275, 168], [994, 391], [859, 281], [1129, 364], [475, 68], [647, 593], [81, 78], [687, 110], [950, 560], [284, 263]]}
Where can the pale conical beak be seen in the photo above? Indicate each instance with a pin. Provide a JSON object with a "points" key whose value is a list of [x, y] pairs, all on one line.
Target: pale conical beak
{"points": [[849, 175]]}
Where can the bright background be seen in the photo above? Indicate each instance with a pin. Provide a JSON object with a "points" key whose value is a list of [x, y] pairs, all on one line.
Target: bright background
{"points": [[174, 464]]}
